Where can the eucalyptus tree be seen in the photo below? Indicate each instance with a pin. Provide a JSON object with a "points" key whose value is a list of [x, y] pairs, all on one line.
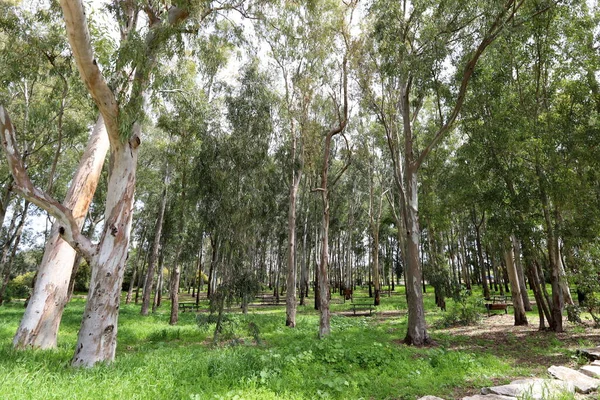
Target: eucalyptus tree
{"points": [[53, 109], [518, 137], [297, 46], [413, 44], [121, 109]]}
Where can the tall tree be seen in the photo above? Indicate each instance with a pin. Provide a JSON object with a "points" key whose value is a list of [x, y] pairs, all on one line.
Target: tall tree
{"points": [[412, 41]]}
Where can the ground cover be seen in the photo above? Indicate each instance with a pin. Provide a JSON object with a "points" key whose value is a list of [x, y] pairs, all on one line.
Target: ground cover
{"points": [[257, 357]]}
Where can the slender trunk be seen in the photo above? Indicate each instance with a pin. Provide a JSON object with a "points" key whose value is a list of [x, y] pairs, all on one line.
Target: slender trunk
{"points": [[199, 269], [213, 263], [484, 281], [155, 248], [304, 263], [142, 277], [323, 281], [290, 299], [521, 274], [553, 255], [176, 273], [135, 269], [158, 291], [8, 257], [159, 285], [417, 329], [519, 309], [564, 283], [39, 325]]}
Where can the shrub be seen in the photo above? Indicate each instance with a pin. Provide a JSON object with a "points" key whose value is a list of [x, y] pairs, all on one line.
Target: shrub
{"points": [[20, 286], [465, 310]]}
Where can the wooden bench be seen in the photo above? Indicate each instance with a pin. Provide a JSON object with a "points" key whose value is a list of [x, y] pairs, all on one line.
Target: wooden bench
{"points": [[191, 306], [496, 303], [362, 306]]}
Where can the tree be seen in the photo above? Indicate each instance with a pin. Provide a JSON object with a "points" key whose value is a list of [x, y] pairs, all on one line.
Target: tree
{"points": [[121, 111], [412, 42]]}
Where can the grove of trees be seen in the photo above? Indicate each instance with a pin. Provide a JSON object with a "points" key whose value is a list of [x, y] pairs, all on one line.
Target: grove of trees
{"points": [[307, 147]]}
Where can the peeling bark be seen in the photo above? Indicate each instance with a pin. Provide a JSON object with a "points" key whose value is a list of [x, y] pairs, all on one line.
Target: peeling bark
{"points": [[39, 325], [515, 288]]}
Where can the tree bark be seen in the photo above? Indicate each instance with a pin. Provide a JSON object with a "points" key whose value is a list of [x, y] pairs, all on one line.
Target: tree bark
{"points": [[417, 330], [484, 280], [519, 309], [521, 274], [290, 299], [155, 248], [97, 339]]}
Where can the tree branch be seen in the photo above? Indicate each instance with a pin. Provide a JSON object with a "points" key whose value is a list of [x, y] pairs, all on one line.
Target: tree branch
{"points": [[488, 39], [69, 230], [79, 39]]}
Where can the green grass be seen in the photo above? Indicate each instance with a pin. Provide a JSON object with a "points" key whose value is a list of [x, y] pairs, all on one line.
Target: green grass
{"points": [[362, 358]]}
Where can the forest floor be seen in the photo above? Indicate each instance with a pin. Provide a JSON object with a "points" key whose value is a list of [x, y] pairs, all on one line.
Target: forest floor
{"points": [[363, 358]]}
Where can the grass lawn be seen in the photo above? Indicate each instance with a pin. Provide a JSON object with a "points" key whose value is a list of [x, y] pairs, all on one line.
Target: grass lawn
{"points": [[363, 357]]}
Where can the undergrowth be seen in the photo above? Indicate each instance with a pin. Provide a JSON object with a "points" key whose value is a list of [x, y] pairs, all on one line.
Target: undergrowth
{"points": [[257, 357]]}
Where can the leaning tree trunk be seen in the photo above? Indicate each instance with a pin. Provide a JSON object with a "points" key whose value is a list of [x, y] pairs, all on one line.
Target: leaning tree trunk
{"points": [[39, 325], [521, 274], [515, 288], [97, 339]]}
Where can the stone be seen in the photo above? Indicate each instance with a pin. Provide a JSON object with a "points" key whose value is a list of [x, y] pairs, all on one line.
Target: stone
{"points": [[596, 362], [430, 398], [489, 397], [591, 370], [592, 354], [533, 388], [583, 383]]}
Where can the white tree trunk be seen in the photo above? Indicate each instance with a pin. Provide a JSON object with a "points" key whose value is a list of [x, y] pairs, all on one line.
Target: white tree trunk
{"points": [[515, 287], [97, 339], [290, 298], [417, 329], [39, 326]]}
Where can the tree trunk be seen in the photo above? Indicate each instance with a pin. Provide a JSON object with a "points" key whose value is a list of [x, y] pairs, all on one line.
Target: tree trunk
{"points": [[176, 273], [9, 256], [417, 329], [484, 280], [39, 325], [155, 248], [521, 274], [519, 309], [290, 298], [97, 339], [199, 270]]}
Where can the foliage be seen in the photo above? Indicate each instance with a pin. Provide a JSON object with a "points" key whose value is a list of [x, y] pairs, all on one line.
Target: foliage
{"points": [[20, 286], [155, 360], [234, 328], [465, 310], [82, 278]]}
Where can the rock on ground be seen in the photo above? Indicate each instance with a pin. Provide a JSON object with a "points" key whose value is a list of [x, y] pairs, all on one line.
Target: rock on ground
{"points": [[489, 397], [592, 354], [591, 370], [534, 388], [583, 383], [430, 398]]}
